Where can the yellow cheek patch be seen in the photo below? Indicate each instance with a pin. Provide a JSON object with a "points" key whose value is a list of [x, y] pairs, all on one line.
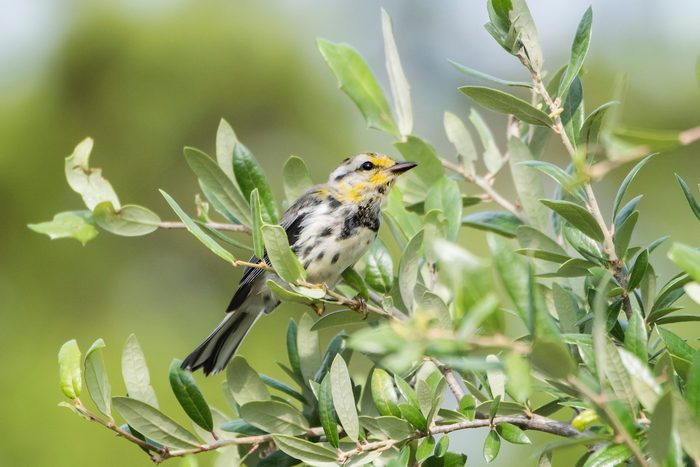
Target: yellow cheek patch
{"points": [[379, 178], [352, 194], [381, 160]]}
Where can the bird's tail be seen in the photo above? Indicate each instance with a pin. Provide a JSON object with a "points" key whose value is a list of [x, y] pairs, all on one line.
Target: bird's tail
{"points": [[213, 354]]}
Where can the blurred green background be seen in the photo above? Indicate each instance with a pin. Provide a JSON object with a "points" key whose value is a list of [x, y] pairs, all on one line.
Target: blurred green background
{"points": [[145, 79]]}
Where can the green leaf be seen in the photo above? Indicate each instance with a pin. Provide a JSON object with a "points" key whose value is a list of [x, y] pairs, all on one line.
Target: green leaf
{"points": [[527, 183], [189, 396], [197, 231], [623, 235], [305, 451], [307, 345], [343, 398], [96, 378], [337, 318], [137, 379], [572, 113], [502, 223], [274, 417], [69, 369], [283, 260], [153, 424], [687, 428], [638, 270], [686, 258], [613, 454], [681, 352], [459, 136], [407, 392], [408, 269], [442, 446], [495, 377], [395, 428], [384, 393], [626, 183], [379, 268], [501, 102], [577, 216], [326, 412], [644, 385], [292, 349], [250, 176], [493, 160], [296, 178], [446, 197], [518, 379], [692, 388], [86, 181], [400, 90], [512, 433], [72, 224], [353, 279], [429, 169], [514, 273], [533, 239], [661, 429], [618, 376], [552, 357], [280, 386], [218, 184], [492, 445], [256, 224], [414, 416], [649, 140], [130, 221], [486, 77], [566, 181], [636, 336], [694, 206], [226, 140], [588, 135], [579, 49], [357, 81], [425, 449]]}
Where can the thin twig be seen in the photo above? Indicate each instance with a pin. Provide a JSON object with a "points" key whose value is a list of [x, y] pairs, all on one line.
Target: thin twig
{"points": [[450, 379], [485, 185], [211, 225], [535, 423]]}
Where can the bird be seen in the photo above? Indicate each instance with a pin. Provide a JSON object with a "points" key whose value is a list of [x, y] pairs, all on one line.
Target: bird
{"points": [[329, 228]]}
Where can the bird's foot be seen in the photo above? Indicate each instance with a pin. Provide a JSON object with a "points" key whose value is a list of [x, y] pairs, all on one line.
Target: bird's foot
{"points": [[319, 308], [361, 306]]}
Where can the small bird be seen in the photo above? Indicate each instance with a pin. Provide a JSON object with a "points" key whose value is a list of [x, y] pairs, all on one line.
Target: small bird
{"points": [[330, 227]]}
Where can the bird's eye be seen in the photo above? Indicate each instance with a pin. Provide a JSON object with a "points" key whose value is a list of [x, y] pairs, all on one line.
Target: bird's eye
{"points": [[367, 166]]}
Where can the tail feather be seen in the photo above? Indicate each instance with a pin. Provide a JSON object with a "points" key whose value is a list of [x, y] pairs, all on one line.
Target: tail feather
{"points": [[214, 353]]}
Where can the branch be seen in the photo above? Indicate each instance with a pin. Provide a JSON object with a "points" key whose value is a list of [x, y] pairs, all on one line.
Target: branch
{"points": [[211, 225], [535, 423], [485, 185], [591, 202]]}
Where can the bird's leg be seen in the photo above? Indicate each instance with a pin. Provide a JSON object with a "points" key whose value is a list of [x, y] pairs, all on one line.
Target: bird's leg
{"points": [[318, 307], [361, 306]]}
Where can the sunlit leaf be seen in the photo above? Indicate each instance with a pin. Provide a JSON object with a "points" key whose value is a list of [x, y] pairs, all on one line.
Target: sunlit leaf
{"points": [[527, 183], [460, 137], [578, 216], [384, 394], [493, 160], [226, 140], [250, 176], [379, 267], [492, 445], [429, 169], [274, 417], [512, 433], [408, 269], [86, 181], [486, 77], [69, 369], [357, 81], [296, 178], [137, 379], [502, 223], [400, 90], [686, 258], [72, 224], [343, 398], [283, 260]]}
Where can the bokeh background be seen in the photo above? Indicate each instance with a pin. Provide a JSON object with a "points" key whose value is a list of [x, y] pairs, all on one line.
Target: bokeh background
{"points": [[145, 79]]}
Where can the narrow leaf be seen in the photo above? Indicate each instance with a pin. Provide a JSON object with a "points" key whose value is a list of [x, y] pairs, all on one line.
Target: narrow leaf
{"points": [[460, 137], [384, 393], [492, 445], [283, 260], [326, 412], [250, 176], [343, 398], [578, 216], [694, 206], [512, 434], [274, 417], [226, 140], [137, 379], [96, 378], [661, 429], [153, 424], [502, 223], [296, 178], [130, 221], [357, 81], [400, 90], [256, 224], [379, 267], [305, 451], [486, 77], [579, 49], [505, 103], [626, 183], [189, 396]]}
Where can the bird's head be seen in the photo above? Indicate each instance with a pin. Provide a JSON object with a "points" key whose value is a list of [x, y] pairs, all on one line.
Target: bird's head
{"points": [[366, 177]]}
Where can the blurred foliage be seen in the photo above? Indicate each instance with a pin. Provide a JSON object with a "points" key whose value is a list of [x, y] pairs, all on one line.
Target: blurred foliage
{"points": [[144, 89]]}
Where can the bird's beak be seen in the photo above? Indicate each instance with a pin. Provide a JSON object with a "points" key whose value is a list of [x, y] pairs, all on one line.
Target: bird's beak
{"points": [[401, 167]]}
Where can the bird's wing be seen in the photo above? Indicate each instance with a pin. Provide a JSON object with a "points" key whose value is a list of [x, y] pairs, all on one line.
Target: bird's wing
{"points": [[291, 221]]}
